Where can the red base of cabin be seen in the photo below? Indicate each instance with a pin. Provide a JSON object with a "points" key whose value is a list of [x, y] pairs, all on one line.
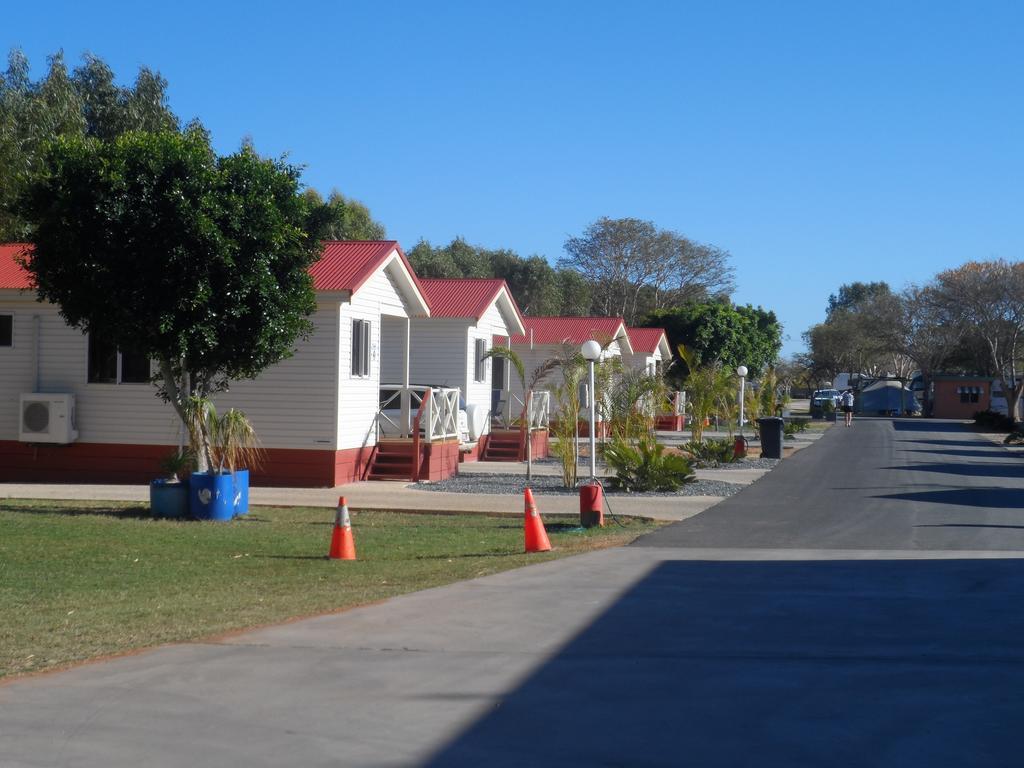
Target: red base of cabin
{"points": [[134, 464], [670, 423]]}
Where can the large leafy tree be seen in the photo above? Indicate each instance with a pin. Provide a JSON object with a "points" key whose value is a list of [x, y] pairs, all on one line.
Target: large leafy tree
{"points": [[635, 268], [718, 332], [864, 332], [163, 248], [86, 102], [350, 219], [539, 288], [989, 296]]}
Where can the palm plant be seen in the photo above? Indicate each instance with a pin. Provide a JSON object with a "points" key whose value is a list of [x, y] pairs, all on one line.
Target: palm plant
{"points": [[646, 467], [632, 403], [220, 442], [505, 353], [567, 398]]}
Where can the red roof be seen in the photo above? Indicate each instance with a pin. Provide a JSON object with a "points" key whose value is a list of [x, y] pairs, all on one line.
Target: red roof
{"points": [[463, 297], [344, 266], [576, 330], [646, 340], [11, 273]]}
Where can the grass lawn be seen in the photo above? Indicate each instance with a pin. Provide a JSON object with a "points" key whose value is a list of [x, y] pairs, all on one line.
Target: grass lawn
{"points": [[85, 579]]}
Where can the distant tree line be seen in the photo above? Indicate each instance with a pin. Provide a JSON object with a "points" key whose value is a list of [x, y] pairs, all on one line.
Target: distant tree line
{"points": [[968, 320], [617, 268], [87, 102], [622, 267]]}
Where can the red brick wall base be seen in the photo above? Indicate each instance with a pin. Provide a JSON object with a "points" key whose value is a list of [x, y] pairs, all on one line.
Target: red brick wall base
{"points": [[133, 464], [440, 461]]}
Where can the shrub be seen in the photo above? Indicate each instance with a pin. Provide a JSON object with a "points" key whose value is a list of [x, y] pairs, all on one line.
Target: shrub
{"points": [[993, 420], [646, 467], [793, 428], [711, 452]]}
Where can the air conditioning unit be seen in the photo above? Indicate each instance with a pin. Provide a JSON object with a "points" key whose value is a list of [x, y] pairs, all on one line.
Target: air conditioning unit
{"points": [[46, 418]]}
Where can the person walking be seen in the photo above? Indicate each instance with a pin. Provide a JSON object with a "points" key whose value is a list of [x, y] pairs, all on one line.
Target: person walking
{"points": [[847, 402]]}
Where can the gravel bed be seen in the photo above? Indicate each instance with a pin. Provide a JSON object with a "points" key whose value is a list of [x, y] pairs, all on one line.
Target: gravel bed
{"points": [[746, 464], [513, 484]]}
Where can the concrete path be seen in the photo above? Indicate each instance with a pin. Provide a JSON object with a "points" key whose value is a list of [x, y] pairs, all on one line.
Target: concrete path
{"points": [[762, 632], [399, 497]]}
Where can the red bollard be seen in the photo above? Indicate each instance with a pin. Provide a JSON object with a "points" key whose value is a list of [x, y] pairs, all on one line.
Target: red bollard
{"points": [[739, 447], [591, 505]]}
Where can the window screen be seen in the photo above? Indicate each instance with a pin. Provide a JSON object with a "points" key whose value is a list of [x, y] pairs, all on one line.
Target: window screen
{"points": [[102, 361], [134, 368], [108, 366], [6, 330], [480, 371], [360, 347]]}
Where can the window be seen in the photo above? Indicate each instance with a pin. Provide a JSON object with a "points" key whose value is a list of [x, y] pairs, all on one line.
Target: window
{"points": [[480, 369], [360, 347], [968, 394], [108, 365], [6, 330]]}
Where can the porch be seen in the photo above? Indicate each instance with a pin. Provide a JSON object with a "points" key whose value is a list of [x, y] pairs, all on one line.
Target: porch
{"points": [[418, 433]]}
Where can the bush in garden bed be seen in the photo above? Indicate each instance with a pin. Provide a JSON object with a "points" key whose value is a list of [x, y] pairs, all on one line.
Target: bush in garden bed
{"points": [[646, 467]]}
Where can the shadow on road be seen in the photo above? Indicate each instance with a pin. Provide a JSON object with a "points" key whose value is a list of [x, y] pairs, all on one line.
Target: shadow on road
{"points": [[928, 425], [837, 663], [969, 470], [994, 453], [993, 498]]}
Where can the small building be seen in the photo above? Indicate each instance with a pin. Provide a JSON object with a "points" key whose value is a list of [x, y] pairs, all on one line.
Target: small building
{"points": [[317, 413], [960, 397], [651, 351], [449, 349], [546, 338]]}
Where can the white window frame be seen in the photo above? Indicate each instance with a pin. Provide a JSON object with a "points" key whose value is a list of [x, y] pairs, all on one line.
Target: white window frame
{"points": [[360, 351], [10, 315], [480, 364]]}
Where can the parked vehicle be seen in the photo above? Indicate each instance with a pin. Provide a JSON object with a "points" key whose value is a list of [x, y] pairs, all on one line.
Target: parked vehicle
{"points": [[822, 396]]}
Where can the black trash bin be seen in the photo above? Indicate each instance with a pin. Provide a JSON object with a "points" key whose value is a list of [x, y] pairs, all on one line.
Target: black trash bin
{"points": [[770, 429]]}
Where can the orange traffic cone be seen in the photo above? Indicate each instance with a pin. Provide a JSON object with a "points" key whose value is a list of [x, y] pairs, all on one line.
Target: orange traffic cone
{"points": [[343, 545], [533, 527]]}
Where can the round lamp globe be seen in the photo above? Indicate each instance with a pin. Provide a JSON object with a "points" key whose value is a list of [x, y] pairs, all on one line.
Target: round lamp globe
{"points": [[591, 350]]}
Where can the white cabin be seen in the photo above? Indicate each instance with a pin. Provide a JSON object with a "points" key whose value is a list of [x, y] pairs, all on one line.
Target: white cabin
{"points": [[651, 351], [448, 349], [546, 338], [316, 413]]}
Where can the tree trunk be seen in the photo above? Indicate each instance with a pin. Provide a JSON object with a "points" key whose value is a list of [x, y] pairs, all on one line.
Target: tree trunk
{"points": [[178, 396]]}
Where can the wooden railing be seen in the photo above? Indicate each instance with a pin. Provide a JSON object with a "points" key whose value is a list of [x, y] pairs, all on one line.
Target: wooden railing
{"points": [[673, 405], [536, 414], [512, 411], [416, 457], [432, 412]]}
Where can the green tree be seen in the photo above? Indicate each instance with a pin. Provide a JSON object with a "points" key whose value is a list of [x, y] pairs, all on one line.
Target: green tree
{"points": [[538, 288], [854, 296], [159, 246], [84, 103], [349, 220], [634, 267], [718, 332]]}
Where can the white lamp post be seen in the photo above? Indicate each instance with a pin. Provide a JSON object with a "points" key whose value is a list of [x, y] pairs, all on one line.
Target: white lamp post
{"points": [[591, 352], [741, 371]]}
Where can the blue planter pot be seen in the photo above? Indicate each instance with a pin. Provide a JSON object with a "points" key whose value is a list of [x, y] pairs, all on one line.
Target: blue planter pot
{"points": [[168, 499], [218, 497], [211, 497]]}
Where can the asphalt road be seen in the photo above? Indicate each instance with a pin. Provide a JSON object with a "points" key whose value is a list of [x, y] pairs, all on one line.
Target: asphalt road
{"points": [[881, 484], [859, 606]]}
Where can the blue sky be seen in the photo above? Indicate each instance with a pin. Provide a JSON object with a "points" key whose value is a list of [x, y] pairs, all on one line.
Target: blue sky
{"points": [[819, 143]]}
